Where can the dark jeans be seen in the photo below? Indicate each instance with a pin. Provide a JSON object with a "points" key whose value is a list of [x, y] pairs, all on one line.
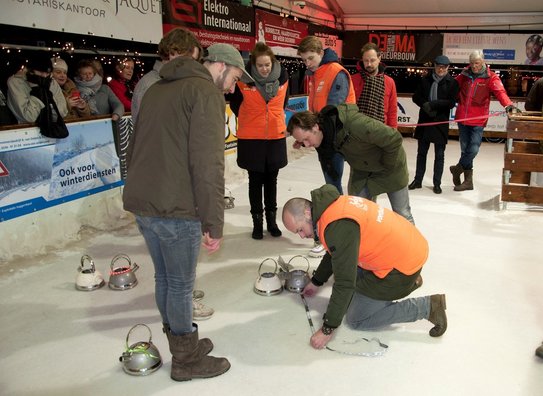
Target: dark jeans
{"points": [[422, 152], [338, 162], [266, 180]]}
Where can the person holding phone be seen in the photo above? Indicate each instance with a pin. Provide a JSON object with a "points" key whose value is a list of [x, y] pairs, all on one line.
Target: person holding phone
{"points": [[77, 106]]}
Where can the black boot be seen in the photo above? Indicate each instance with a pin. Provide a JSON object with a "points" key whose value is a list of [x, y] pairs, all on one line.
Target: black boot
{"points": [[258, 226], [271, 224]]}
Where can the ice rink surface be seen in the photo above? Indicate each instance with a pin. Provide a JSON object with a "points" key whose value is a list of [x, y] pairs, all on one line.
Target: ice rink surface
{"points": [[58, 341]]}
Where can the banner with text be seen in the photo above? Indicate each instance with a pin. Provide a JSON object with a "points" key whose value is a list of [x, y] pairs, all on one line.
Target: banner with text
{"points": [[399, 47], [139, 20], [38, 172], [282, 35], [329, 37], [498, 48], [212, 21]]}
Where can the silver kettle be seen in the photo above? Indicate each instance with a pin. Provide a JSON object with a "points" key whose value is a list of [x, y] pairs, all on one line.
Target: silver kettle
{"points": [[296, 279], [122, 277], [140, 358]]}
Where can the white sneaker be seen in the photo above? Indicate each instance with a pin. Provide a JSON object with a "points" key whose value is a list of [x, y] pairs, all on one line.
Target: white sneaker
{"points": [[201, 311], [197, 295], [317, 251]]}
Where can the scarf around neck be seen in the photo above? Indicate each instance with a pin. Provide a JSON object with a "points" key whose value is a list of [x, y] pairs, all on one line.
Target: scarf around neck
{"points": [[267, 86], [433, 89], [88, 91], [371, 101]]}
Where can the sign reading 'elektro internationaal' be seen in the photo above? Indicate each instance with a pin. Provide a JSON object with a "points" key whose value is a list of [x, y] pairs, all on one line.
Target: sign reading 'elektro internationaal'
{"points": [[212, 21]]}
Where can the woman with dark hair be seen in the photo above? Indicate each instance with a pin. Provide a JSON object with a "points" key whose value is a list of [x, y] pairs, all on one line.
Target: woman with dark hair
{"points": [[534, 44], [122, 83], [262, 151]]}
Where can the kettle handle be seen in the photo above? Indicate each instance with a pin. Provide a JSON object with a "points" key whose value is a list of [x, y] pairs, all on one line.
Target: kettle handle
{"points": [[120, 256], [305, 258], [88, 258], [132, 328], [260, 267]]}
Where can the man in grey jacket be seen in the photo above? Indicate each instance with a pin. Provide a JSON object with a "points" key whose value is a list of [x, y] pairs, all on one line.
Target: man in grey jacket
{"points": [[175, 187]]}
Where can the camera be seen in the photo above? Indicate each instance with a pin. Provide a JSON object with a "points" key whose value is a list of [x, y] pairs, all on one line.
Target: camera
{"points": [[300, 4]]}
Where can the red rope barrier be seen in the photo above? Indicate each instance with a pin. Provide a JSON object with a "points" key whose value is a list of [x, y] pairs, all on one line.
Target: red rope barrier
{"points": [[446, 122]]}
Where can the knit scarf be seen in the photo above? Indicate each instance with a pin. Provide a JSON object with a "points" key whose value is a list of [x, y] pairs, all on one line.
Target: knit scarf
{"points": [[371, 101], [433, 89], [267, 86], [88, 91]]}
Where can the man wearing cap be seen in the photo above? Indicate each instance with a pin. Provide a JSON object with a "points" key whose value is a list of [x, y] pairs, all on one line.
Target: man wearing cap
{"points": [[25, 83], [175, 187], [436, 96]]}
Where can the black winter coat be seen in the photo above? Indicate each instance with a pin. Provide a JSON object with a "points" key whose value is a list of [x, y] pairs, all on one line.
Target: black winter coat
{"points": [[447, 91]]}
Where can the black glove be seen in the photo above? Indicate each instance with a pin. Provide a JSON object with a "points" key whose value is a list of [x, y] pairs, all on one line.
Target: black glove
{"points": [[512, 109], [428, 109]]}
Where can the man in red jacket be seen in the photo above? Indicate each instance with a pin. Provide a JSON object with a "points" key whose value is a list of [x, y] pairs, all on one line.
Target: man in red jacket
{"points": [[477, 83]]}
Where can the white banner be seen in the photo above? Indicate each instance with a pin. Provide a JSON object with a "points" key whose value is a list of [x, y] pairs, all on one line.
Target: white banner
{"points": [[498, 48], [134, 20]]}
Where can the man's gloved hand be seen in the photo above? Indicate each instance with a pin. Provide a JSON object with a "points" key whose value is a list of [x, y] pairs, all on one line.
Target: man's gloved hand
{"points": [[428, 109], [512, 109]]}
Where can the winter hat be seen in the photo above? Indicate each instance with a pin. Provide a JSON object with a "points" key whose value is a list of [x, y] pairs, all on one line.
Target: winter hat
{"points": [[442, 60], [228, 54], [59, 63], [40, 62]]}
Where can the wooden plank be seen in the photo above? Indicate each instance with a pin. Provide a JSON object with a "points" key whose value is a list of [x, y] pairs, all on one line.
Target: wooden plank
{"points": [[523, 162], [522, 146], [524, 130], [520, 177], [513, 193]]}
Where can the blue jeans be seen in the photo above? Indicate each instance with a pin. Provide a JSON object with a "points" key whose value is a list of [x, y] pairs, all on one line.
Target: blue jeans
{"points": [[365, 313], [470, 141], [174, 245], [338, 163], [399, 201]]}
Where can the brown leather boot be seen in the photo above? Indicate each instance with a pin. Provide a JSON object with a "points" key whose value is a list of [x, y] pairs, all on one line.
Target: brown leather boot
{"points": [[456, 171], [188, 362], [468, 181], [205, 345], [437, 316]]}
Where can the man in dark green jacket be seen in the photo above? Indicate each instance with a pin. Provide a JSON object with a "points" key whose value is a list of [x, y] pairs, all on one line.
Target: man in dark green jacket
{"points": [[375, 256], [373, 150]]}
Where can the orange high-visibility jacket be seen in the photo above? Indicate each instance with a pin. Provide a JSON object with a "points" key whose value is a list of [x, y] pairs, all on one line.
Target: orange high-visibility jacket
{"points": [[321, 82]]}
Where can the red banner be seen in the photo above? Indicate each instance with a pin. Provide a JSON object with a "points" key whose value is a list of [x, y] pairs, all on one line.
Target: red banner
{"points": [[282, 34]]}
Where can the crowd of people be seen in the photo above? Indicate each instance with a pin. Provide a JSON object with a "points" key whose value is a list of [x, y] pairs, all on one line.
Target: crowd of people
{"points": [[375, 255]]}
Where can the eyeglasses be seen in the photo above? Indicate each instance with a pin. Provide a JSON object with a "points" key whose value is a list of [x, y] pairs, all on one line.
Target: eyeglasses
{"points": [[442, 66]]}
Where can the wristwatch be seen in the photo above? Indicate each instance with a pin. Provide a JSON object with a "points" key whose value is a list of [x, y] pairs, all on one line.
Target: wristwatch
{"points": [[327, 330]]}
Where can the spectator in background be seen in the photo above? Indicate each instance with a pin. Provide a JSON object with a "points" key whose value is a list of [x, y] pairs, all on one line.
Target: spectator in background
{"points": [[99, 96], [6, 116], [329, 84], [534, 45], [23, 84], [122, 84], [77, 107], [177, 42], [375, 92], [534, 101], [436, 96], [262, 150], [477, 84]]}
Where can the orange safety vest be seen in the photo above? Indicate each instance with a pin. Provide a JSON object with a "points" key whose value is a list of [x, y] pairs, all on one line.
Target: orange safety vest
{"points": [[258, 119], [387, 240], [321, 82]]}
